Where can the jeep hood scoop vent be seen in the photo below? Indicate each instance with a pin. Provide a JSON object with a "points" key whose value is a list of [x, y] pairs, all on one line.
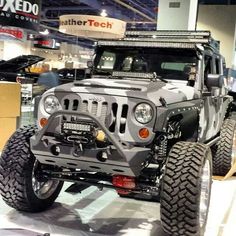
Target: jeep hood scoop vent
{"points": [[87, 84]]}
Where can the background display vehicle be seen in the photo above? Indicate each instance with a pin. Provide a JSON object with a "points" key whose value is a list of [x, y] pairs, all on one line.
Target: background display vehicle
{"points": [[67, 75], [151, 122], [15, 68]]}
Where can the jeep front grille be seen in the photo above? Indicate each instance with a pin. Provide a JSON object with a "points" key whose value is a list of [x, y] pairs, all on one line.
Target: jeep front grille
{"points": [[113, 116]]}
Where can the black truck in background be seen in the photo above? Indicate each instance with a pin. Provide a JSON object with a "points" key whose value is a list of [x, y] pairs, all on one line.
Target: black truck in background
{"points": [[16, 68]]}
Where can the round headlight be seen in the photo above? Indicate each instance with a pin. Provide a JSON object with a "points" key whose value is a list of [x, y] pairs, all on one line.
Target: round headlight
{"points": [[51, 104], [143, 113]]}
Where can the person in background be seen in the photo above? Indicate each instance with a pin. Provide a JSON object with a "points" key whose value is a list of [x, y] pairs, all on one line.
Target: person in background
{"points": [[47, 79]]}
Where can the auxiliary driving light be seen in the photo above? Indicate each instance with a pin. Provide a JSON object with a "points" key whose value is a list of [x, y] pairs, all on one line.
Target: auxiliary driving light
{"points": [[43, 122], [77, 127], [144, 133]]}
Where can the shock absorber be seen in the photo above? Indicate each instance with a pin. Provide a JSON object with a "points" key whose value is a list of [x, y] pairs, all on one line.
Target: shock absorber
{"points": [[160, 148]]}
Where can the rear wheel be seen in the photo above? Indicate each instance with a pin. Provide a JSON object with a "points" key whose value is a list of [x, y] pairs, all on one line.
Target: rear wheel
{"points": [[19, 185], [223, 152], [185, 190]]}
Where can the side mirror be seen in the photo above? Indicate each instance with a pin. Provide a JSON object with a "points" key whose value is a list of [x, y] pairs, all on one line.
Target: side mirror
{"points": [[214, 80]]}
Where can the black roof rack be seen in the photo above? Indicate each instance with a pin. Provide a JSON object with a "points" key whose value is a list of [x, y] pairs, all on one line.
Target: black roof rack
{"points": [[173, 36], [170, 33], [164, 38]]}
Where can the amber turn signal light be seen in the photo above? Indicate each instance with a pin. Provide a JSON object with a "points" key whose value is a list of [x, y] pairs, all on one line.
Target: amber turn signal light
{"points": [[144, 133], [43, 122]]}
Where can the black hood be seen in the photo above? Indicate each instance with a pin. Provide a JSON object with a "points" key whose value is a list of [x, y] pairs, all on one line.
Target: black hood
{"points": [[18, 63]]}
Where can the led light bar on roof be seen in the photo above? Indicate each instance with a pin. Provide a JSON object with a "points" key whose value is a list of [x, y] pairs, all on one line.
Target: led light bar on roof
{"points": [[170, 40], [169, 33], [146, 44]]}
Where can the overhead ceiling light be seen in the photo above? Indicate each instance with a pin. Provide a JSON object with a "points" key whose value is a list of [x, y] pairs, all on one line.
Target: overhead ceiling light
{"points": [[45, 32], [103, 13]]}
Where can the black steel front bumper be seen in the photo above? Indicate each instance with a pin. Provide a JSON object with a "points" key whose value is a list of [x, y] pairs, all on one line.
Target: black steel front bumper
{"points": [[121, 159]]}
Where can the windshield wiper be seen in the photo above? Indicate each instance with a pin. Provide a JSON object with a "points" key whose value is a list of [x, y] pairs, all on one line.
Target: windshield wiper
{"points": [[158, 77]]}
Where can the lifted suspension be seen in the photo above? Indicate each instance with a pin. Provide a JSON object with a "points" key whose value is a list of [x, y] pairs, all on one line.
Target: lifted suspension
{"points": [[120, 183]]}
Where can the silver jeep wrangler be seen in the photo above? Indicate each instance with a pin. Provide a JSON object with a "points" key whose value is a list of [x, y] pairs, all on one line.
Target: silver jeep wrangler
{"points": [[151, 122]]}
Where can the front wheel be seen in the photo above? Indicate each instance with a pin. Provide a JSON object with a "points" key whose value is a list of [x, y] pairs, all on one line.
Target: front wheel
{"points": [[185, 189], [19, 185]]}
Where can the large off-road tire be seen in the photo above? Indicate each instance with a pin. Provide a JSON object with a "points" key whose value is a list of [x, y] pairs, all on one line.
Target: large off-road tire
{"points": [[19, 186], [185, 189], [222, 151]]}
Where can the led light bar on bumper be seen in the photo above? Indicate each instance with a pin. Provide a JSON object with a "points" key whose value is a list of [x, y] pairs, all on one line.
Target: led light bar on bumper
{"points": [[77, 127]]}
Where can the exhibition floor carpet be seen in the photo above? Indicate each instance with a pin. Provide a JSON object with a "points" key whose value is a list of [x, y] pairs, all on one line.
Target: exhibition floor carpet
{"points": [[103, 213]]}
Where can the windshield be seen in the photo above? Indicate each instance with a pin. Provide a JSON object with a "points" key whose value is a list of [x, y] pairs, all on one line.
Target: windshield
{"points": [[168, 63]]}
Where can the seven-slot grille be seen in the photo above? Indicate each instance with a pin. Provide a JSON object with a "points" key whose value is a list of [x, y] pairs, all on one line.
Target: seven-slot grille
{"points": [[101, 109]]}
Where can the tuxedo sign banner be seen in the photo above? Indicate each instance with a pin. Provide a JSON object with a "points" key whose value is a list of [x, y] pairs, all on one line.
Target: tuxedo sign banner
{"points": [[20, 13]]}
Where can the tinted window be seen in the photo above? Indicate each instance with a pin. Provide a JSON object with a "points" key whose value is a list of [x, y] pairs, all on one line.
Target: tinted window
{"points": [[177, 66], [217, 62], [208, 66], [169, 63], [107, 60]]}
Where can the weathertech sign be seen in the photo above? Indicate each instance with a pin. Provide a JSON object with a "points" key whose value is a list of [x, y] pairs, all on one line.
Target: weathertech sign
{"points": [[92, 26], [20, 13], [89, 22]]}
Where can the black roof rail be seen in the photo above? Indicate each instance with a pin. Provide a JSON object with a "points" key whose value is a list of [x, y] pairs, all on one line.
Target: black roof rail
{"points": [[174, 36], [169, 33], [164, 38]]}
